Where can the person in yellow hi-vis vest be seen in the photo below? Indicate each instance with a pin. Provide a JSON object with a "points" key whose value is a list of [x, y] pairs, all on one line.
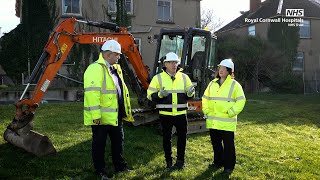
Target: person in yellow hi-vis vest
{"points": [[170, 90], [106, 105], [222, 101]]}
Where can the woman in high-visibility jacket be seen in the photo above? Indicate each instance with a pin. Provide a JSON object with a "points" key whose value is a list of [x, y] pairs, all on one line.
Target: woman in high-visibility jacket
{"points": [[170, 90], [106, 105], [222, 101]]}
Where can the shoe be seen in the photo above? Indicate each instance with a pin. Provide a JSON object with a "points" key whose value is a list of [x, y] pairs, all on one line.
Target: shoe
{"points": [[103, 174], [227, 172], [168, 166], [214, 166], [123, 169], [178, 166]]}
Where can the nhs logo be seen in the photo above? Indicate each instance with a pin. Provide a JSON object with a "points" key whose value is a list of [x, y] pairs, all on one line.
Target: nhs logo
{"points": [[295, 12]]}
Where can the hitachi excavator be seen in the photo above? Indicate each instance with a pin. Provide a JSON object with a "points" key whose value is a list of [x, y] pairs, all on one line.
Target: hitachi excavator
{"points": [[196, 48]]}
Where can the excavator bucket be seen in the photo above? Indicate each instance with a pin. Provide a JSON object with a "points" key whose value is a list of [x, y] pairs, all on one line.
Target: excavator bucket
{"points": [[20, 133]]}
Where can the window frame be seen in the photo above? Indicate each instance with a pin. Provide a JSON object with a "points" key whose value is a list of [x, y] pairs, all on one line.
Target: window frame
{"points": [[299, 55], [302, 26], [160, 19], [72, 14], [115, 8], [138, 43], [250, 30]]}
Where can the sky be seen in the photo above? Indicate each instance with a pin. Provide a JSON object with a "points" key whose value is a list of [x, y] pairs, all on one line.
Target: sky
{"points": [[8, 19], [226, 10]]}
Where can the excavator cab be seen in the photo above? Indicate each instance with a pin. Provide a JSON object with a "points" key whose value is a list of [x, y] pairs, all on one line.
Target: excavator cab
{"points": [[196, 48]]}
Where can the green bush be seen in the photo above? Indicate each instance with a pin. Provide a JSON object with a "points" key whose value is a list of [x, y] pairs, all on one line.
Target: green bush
{"points": [[3, 86], [288, 83]]}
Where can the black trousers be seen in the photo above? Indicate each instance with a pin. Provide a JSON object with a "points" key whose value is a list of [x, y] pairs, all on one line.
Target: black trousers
{"points": [[180, 122], [99, 138], [223, 148]]}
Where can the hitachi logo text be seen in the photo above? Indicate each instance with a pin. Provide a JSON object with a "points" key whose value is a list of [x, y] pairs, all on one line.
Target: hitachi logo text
{"points": [[295, 12]]}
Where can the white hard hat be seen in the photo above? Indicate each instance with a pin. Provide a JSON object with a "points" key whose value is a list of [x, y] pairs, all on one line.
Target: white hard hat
{"points": [[227, 63], [111, 45], [171, 56]]}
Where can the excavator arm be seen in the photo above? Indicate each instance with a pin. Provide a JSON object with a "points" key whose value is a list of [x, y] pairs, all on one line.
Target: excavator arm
{"points": [[60, 43]]}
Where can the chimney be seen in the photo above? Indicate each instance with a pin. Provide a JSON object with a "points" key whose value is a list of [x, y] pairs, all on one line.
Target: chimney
{"points": [[254, 5], [17, 8]]}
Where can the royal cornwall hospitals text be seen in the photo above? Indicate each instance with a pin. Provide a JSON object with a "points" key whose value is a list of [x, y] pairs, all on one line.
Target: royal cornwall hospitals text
{"points": [[286, 20]]}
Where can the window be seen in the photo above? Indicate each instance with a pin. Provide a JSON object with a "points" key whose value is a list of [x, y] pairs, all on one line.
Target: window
{"points": [[252, 30], [71, 7], [298, 62], [305, 29], [164, 10], [112, 7], [137, 41]]}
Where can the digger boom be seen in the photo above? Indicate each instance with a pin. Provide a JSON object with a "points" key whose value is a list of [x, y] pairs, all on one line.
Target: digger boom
{"points": [[194, 46], [54, 54]]}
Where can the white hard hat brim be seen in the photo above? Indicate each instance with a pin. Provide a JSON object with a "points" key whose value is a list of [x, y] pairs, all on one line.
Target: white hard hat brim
{"points": [[171, 61]]}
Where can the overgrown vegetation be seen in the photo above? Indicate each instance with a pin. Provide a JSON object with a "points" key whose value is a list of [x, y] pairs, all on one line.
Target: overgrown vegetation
{"points": [[264, 63], [22, 47], [24, 44], [285, 38], [257, 62], [122, 18], [277, 137]]}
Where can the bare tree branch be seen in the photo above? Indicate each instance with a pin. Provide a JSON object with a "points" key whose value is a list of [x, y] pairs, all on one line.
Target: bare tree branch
{"points": [[209, 20]]}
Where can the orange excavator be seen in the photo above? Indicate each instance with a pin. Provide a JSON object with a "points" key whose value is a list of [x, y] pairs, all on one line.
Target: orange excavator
{"points": [[196, 48]]}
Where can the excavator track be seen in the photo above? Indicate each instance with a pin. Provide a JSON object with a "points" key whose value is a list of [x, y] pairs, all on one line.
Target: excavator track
{"points": [[196, 121]]}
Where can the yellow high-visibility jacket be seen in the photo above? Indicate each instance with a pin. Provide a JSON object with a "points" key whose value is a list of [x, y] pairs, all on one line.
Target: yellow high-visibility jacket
{"points": [[100, 95], [222, 104], [176, 102]]}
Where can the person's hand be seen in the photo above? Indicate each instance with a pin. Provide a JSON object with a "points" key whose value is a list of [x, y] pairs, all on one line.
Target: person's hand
{"points": [[190, 91], [163, 93], [97, 121]]}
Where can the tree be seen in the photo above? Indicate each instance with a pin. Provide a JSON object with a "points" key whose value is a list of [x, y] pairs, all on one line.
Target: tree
{"points": [[122, 18], [22, 47], [257, 61], [286, 38], [210, 21]]}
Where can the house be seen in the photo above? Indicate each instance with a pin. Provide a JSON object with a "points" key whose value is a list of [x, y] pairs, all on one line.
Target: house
{"points": [[256, 21], [4, 79], [147, 17]]}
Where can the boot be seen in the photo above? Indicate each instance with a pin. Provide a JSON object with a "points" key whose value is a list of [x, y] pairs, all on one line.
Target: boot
{"points": [[178, 166]]}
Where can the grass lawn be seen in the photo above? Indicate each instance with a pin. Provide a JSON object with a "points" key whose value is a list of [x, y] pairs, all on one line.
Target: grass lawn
{"points": [[277, 137]]}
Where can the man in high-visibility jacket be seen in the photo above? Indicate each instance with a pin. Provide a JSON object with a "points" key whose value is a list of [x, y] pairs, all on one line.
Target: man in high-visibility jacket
{"points": [[106, 105], [170, 90], [222, 101]]}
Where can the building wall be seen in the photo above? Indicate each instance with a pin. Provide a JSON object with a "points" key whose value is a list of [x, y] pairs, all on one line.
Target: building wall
{"points": [[144, 24], [310, 47]]}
